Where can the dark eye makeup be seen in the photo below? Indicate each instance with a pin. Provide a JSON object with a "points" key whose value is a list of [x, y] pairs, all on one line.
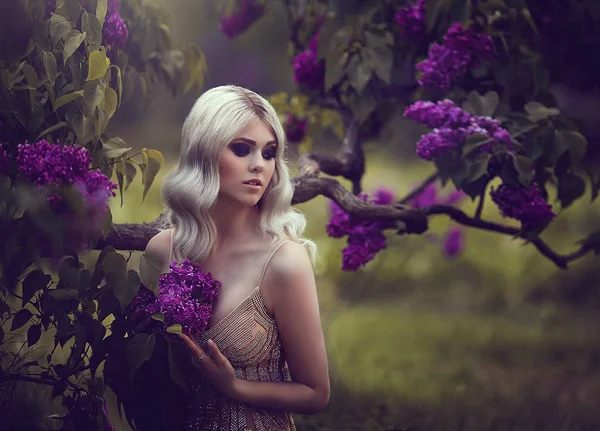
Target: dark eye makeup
{"points": [[242, 149]]}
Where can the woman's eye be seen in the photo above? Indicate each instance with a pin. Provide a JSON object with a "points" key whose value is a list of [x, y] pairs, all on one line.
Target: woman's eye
{"points": [[240, 150], [269, 154]]}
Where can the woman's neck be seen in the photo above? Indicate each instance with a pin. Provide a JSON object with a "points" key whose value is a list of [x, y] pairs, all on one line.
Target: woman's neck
{"points": [[235, 223]]}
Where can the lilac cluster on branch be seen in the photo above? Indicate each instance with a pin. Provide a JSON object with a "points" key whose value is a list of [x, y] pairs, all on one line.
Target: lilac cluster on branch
{"points": [[186, 297], [239, 21], [308, 70], [524, 204], [451, 126], [114, 30], [462, 50], [365, 237], [412, 20]]}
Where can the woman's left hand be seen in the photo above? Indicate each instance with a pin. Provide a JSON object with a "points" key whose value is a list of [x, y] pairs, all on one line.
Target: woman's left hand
{"points": [[219, 370]]}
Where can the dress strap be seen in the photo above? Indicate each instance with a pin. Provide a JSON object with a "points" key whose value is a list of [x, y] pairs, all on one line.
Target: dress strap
{"points": [[269, 259]]}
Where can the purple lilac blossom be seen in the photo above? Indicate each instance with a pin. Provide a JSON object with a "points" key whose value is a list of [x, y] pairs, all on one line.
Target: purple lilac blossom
{"points": [[453, 244], [295, 128], [186, 297], [524, 204], [309, 71], [365, 237], [239, 21], [43, 163], [114, 30], [412, 20], [463, 48], [451, 126], [430, 196], [55, 165]]}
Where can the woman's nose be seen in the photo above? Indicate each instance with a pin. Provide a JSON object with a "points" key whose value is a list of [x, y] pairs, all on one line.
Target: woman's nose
{"points": [[257, 164]]}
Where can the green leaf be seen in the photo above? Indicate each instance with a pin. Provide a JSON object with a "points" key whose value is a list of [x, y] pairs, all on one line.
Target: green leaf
{"points": [[59, 27], [484, 106], [63, 100], [362, 104], [49, 62], [90, 25], [570, 188], [65, 294], [131, 289], [138, 351], [101, 7], [33, 334], [537, 111], [359, 73], [335, 63], [115, 270], [175, 329], [51, 129], [381, 60], [178, 356], [447, 164], [478, 167], [119, 83], [576, 143], [434, 10], [150, 271], [593, 171], [30, 75], [72, 41], [98, 64], [158, 316], [524, 165], [93, 95], [20, 319], [130, 172], [36, 280], [460, 11], [154, 161], [69, 8], [109, 104]]}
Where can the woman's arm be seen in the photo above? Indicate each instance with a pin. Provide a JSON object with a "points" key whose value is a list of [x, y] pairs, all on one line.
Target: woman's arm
{"points": [[289, 287]]}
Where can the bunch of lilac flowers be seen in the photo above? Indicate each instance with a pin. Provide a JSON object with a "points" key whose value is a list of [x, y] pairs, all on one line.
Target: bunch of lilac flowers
{"points": [[308, 70], [463, 49], [52, 166], [295, 128], [524, 204], [114, 30], [412, 20], [186, 297], [238, 22], [365, 237], [452, 242], [451, 126]]}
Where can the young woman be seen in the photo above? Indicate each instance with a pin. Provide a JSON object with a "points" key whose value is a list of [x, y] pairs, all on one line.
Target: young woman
{"points": [[263, 355]]}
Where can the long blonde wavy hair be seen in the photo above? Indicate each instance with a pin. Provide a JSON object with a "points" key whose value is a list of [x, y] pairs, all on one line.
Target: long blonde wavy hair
{"points": [[192, 188]]}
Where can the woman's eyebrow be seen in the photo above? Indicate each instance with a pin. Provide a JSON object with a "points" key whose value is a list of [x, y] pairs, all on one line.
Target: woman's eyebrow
{"points": [[251, 142]]}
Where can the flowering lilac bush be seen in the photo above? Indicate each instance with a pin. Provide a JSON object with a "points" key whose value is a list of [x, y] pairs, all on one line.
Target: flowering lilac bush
{"points": [[412, 20], [524, 204], [186, 297], [239, 21], [54, 166], [451, 126], [308, 70], [114, 30], [463, 49], [365, 237], [295, 128]]}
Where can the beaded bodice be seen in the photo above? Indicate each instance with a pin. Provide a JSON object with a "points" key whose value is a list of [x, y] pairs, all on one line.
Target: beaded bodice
{"points": [[249, 338]]}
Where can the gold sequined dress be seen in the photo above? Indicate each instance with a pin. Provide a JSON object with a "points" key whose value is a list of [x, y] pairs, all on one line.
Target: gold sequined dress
{"points": [[249, 338]]}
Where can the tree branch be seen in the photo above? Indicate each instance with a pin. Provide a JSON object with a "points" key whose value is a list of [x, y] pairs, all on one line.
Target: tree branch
{"points": [[459, 216]]}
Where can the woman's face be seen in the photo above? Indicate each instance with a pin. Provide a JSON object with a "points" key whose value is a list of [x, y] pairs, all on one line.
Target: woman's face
{"points": [[247, 164]]}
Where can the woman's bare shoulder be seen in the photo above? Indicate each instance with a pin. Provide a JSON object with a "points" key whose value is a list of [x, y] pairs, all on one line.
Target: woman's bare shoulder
{"points": [[160, 246]]}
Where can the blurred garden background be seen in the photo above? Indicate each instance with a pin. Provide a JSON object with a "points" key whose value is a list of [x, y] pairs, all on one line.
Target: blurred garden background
{"points": [[493, 337]]}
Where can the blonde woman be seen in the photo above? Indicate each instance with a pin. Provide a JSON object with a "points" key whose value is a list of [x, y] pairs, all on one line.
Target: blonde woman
{"points": [[263, 355]]}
